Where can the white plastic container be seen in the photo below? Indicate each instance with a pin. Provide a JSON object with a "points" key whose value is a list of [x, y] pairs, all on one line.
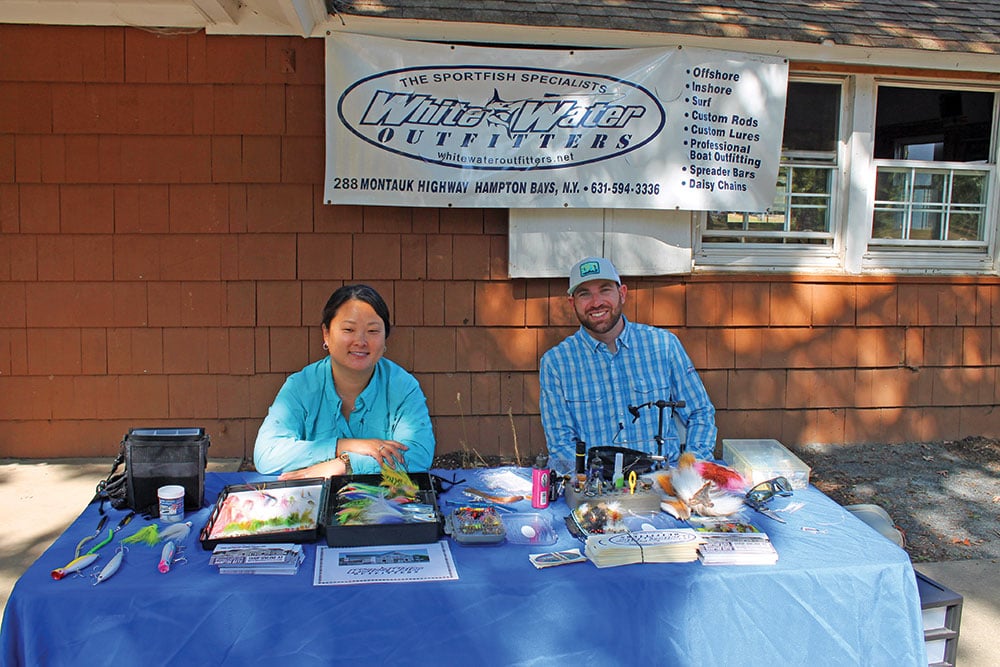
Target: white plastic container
{"points": [[171, 500], [761, 460]]}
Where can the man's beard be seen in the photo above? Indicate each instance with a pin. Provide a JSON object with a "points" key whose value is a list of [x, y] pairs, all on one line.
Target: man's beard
{"points": [[604, 326]]}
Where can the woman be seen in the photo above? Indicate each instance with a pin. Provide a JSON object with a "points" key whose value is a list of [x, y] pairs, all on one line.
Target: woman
{"points": [[352, 411]]}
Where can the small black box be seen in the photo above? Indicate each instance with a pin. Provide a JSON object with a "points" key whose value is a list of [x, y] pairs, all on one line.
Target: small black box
{"points": [[155, 457], [423, 532]]}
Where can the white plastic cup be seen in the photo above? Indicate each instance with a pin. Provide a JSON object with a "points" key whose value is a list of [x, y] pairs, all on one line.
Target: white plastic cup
{"points": [[171, 503]]}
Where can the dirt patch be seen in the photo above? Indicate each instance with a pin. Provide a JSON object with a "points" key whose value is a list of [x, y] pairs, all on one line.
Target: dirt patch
{"points": [[944, 495]]}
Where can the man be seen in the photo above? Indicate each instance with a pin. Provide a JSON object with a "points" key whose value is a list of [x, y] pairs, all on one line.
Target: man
{"points": [[601, 385]]}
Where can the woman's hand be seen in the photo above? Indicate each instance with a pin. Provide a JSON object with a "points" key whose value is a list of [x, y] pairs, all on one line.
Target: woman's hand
{"points": [[329, 468], [387, 452]]}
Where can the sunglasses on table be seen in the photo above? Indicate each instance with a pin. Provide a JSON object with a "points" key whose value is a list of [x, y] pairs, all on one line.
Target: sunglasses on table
{"points": [[765, 491]]}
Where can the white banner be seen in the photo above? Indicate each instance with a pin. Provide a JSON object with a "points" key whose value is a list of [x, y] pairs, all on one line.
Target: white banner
{"points": [[417, 124]]}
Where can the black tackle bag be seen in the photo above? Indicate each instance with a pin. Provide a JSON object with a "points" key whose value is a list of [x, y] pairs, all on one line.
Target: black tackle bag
{"points": [[155, 457]]}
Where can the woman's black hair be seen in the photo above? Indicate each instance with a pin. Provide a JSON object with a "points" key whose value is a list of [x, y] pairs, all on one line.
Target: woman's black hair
{"points": [[361, 293]]}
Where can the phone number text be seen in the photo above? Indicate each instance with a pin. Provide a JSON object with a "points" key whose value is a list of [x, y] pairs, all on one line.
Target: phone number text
{"points": [[602, 188]]}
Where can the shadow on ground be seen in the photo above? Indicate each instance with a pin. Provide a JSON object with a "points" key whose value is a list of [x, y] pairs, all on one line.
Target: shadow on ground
{"points": [[944, 496]]}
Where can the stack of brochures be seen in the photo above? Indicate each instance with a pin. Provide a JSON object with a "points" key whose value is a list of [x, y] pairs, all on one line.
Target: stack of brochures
{"points": [[737, 549], [257, 558], [644, 546]]}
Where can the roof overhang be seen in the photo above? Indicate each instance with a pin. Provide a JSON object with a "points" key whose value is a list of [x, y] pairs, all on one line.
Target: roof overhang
{"points": [[310, 18]]}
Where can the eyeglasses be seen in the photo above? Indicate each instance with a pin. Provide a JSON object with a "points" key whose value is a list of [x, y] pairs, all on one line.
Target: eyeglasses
{"points": [[763, 492]]}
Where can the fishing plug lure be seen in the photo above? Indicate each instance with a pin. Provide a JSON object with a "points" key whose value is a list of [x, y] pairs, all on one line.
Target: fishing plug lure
{"points": [[168, 557], [111, 568], [74, 565]]}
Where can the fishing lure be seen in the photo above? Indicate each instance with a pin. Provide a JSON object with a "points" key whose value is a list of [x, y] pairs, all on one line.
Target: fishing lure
{"points": [[148, 535], [177, 532], [398, 482], [100, 527], [111, 533], [112, 567], [74, 565], [167, 557]]}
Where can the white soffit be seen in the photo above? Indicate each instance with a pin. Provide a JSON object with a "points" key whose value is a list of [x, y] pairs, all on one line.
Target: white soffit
{"points": [[279, 17]]}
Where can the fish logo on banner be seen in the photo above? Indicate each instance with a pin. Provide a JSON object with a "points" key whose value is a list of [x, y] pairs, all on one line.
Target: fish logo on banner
{"points": [[573, 119]]}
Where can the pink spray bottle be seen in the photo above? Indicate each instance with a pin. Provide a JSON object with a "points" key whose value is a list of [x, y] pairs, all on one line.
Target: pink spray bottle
{"points": [[540, 480]]}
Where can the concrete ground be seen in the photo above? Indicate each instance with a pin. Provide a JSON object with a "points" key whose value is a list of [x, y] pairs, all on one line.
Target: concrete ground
{"points": [[39, 499]]}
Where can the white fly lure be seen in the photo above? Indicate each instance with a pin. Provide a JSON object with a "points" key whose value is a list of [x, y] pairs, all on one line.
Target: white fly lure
{"points": [[177, 532]]}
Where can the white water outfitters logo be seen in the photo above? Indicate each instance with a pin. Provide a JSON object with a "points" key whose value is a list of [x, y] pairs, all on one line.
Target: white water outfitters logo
{"points": [[431, 124], [549, 119]]}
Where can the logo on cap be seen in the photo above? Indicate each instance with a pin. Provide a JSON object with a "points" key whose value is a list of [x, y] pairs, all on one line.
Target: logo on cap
{"points": [[588, 268]]}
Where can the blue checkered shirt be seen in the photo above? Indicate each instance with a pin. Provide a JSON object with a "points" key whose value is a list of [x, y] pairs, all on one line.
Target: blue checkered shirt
{"points": [[586, 392]]}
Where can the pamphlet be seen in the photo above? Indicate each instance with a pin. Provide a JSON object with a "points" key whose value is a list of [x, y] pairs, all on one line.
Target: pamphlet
{"points": [[553, 558], [339, 566], [737, 549]]}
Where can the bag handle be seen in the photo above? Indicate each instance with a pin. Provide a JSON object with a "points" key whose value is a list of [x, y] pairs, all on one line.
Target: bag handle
{"points": [[113, 488]]}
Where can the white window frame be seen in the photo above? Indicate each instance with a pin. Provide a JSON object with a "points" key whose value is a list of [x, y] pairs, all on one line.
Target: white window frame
{"points": [[930, 257], [784, 257], [911, 207]]}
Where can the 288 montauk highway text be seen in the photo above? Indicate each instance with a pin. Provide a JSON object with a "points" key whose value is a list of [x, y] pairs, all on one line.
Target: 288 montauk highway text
{"points": [[494, 186]]}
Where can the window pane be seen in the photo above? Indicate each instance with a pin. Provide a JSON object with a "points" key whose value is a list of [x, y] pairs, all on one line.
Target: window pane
{"points": [[968, 189], [932, 125], [928, 187], [965, 227], [925, 224], [809, 220], [811, 180], [812, 111], [888, 223], [891, 185]]}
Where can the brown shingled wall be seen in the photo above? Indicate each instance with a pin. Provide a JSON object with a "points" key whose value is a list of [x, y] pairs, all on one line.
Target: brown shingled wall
{"points": [[165, 255]]}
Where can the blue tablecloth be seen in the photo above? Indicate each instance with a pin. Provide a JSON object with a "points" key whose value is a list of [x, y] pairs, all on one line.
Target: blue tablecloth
{"points": [[840, 596]]}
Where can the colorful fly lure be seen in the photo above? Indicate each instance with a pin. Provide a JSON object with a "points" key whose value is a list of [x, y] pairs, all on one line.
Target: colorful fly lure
{"points": [[393, 500]]}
